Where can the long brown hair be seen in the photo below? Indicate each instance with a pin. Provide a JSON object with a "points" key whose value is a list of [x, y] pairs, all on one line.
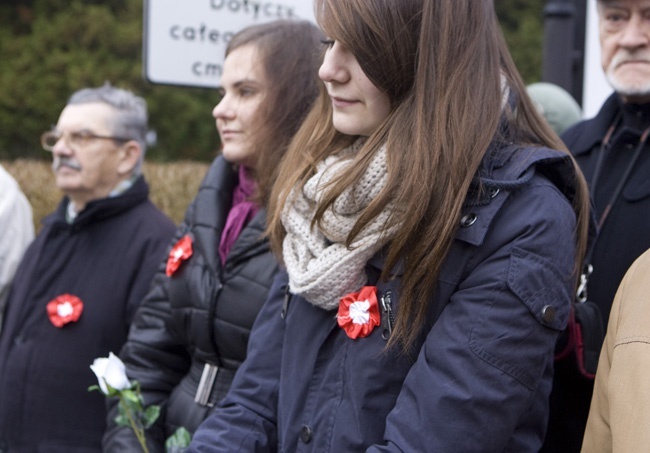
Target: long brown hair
{"points": [[289, 52], [443, 64]]}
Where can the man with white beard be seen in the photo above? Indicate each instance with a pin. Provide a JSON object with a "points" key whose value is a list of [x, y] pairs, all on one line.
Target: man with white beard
{"points": [[614, 153]]}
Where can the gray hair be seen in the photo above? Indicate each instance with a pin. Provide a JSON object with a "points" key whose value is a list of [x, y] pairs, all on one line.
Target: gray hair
{"points": [[131, 119]]}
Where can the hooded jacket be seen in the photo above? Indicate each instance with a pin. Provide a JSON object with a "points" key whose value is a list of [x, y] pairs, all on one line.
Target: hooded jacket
{"points": [[200, 315], [478, 378]]}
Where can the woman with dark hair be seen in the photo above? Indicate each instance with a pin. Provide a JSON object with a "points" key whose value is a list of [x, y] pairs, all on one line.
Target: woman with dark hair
{"points": [[431, 225], [190, 334]]}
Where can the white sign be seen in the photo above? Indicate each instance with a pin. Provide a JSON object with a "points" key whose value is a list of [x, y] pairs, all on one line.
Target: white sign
{"points": [[595, 88], [185, 40]]}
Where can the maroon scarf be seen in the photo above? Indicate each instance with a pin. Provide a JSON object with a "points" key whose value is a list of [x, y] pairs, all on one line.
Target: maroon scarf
{"points": [[240, 214]]}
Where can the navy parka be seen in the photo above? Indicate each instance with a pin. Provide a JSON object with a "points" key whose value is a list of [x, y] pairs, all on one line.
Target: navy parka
{"points": [[483, 364]]}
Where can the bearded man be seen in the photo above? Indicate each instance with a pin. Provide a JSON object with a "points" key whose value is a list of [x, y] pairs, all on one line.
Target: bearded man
{"points": [[614, 153]]}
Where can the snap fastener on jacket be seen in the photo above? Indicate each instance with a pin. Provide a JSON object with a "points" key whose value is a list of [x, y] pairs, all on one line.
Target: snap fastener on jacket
{"points": [[493, 192], [305, 434], [468, 220], [548, 314]]}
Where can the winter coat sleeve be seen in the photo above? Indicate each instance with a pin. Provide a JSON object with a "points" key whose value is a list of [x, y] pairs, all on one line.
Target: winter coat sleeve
{"points": [[485, 367], [620, 408], [246, 419], [17, 229], [154, 357]]}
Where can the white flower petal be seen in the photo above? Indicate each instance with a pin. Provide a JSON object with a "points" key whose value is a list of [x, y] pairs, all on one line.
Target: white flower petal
{"points": [[64, 309], [359, 312], [110, 371], [99, 367]]}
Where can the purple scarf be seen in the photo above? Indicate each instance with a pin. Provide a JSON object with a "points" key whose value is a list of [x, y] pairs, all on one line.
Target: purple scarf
{"points": [[240, 214]]}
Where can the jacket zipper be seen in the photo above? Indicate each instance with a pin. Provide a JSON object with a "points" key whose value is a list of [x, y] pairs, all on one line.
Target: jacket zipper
{"points": [[388, 321], [387, 318], [285, 303]]}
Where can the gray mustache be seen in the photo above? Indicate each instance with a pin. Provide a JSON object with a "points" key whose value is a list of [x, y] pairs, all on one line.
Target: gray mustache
{"points": [[59, 162]]}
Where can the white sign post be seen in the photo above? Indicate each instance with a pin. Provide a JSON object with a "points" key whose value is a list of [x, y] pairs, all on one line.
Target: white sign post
{"points": [[185, 40], [595, 89]]}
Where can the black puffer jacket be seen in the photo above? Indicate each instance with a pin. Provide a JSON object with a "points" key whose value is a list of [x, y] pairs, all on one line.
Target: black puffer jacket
{"points": [[202, 314]]}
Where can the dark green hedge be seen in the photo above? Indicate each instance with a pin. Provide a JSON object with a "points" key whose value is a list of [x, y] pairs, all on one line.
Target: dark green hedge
{"points": [[50, 48]]}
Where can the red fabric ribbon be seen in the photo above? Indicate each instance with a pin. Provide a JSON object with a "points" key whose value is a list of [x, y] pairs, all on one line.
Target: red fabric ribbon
{"points": [[64, 309], [179, 253], [359, 312]]}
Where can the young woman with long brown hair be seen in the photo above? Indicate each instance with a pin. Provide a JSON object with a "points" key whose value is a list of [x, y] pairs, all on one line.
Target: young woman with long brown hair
{"points": [[189, 336], [431, 232]]}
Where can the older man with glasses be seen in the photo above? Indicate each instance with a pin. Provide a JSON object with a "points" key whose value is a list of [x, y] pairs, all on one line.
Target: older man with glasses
{"points": [[82, 278]]}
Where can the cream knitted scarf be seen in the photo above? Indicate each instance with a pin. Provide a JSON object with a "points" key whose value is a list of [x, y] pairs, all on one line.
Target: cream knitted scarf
{"points": [[321, 268]]}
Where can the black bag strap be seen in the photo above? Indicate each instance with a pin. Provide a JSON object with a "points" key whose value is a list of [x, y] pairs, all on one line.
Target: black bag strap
{"points": [[581, 294]]}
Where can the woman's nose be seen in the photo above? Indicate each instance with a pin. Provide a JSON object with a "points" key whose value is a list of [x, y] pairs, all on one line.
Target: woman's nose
{"points": [[222, 109], [334, 68]]}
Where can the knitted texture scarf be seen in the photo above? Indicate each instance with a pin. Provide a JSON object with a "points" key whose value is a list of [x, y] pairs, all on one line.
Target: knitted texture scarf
{"points": [[320, 266]]}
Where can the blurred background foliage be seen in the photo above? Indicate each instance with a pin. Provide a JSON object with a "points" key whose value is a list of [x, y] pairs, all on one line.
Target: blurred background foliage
{"points": [[51, 48]]}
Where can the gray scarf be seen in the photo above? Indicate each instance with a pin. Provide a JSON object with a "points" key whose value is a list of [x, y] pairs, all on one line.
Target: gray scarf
{"points": [[321, 268]]}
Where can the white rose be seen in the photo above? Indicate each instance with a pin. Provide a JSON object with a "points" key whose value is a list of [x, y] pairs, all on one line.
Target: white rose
{"points": [[110, 371]]}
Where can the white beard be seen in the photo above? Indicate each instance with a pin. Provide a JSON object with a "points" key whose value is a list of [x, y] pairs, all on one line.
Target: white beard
{"points": [[635, 88]]}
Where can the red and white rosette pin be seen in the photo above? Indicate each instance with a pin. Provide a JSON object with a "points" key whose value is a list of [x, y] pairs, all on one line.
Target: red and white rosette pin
{"points": [[359, 312], [181, 251], [64, 309]]}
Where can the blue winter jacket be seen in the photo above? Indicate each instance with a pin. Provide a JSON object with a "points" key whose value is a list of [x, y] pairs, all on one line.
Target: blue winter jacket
{"points": [[480, 376]]}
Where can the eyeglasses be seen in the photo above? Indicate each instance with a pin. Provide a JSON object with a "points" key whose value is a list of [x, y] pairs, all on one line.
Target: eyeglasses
{"points": [[76, 140]]}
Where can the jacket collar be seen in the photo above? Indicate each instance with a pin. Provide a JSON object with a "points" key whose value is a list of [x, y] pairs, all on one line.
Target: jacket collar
{"points": [[597, 127], [215, 196], [103, 208]]}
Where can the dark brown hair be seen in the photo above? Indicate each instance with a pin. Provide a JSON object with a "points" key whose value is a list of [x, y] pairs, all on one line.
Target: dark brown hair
{"points": [[444, 65], [289, 52]]}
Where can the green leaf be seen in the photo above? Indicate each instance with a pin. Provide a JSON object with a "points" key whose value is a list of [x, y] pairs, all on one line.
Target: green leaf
{"points": [[151, 415], [122, 419], [95, 387], [131, 396], [112, 391], [180, 439]]}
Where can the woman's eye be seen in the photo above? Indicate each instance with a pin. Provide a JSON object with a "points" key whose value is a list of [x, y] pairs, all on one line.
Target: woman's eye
{"points": [[328, 42], [245, 92]]}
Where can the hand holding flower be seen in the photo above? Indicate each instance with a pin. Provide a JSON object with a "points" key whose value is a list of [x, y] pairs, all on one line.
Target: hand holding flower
{"points": [[113, 382]]}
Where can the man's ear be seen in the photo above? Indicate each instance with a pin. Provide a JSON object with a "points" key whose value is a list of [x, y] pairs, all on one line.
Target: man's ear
{"points": [[130, 153]]}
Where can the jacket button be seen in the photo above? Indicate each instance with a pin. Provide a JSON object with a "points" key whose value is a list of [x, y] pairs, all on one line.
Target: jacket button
{"points": [[18, 340], [468, 220], [305, 434], [548, 314], [493, 192]]}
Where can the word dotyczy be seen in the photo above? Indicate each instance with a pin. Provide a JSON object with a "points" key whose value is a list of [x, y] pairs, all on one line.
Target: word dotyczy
{"points": [[255, 7]]}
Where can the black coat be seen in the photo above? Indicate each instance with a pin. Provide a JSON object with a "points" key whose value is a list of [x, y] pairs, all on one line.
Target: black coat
{"points": [[107, 258], [202, 314], [625, 235]]}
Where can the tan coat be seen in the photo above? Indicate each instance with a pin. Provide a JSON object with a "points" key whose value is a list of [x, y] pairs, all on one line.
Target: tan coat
{"points": [[619, 419]]}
